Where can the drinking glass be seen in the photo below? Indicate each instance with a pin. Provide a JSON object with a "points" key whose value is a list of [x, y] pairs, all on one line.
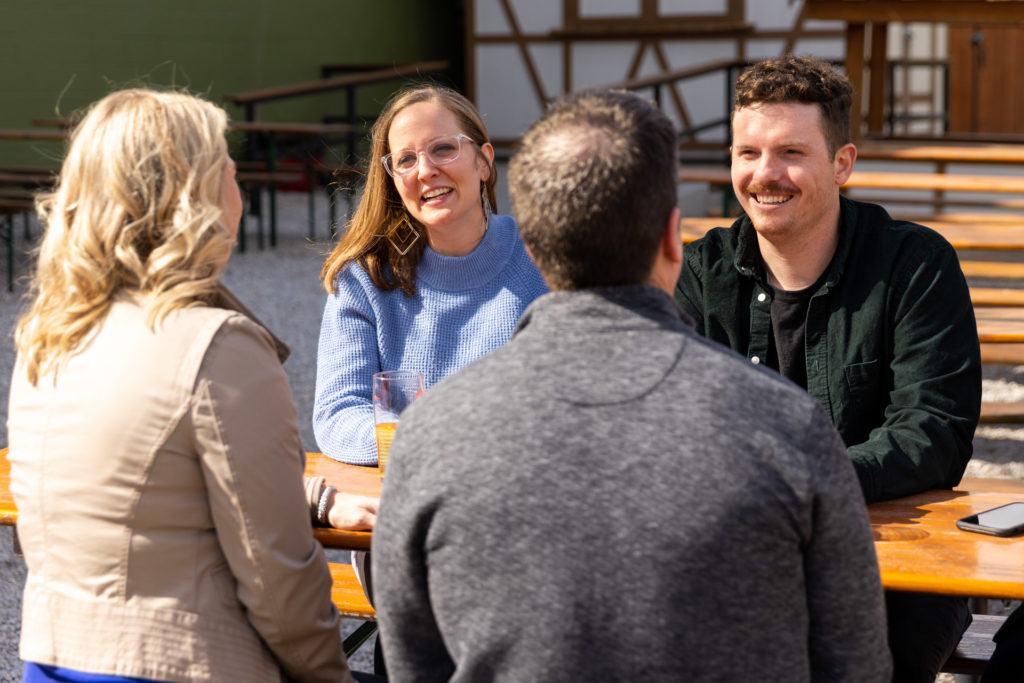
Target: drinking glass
{"points": [[393, 391]]}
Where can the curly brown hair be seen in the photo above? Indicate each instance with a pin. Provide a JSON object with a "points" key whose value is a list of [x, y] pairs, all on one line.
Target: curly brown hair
{"points": [[803, 79]]}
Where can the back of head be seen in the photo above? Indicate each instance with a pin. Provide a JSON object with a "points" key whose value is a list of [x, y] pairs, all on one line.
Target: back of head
{"points": [[592, 185], [381, 216], [136, 210], [805, 80]]}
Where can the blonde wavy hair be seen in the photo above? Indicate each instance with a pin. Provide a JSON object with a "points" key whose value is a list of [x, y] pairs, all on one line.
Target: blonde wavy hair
{"points": [[135, 211], [381, 214]]}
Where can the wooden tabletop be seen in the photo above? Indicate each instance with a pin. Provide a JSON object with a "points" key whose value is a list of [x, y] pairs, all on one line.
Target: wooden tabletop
{"points": [[919, 547], [364, 481], [8, 513]]}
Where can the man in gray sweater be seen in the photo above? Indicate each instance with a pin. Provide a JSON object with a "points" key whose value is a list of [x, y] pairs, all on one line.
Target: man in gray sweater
{"points": [[610, 496]]}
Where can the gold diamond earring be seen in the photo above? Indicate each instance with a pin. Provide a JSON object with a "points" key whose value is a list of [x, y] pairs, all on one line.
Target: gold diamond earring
{"points": [[406, 236], [486, 204]]}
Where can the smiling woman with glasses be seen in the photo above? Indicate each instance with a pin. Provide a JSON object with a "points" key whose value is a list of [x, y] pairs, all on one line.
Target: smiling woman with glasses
{"points": [[426, 277]]}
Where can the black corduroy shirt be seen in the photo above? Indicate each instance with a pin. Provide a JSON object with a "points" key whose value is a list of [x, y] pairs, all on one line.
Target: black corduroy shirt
{"points": [[891, 341]]}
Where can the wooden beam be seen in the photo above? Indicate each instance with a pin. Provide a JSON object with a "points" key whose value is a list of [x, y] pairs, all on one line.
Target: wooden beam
{"points": [[855, 72], [983, 11], [879, 77]]}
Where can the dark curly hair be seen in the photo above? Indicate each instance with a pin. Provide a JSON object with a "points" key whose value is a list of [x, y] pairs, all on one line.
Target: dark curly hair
{"points": [[804, 79]]}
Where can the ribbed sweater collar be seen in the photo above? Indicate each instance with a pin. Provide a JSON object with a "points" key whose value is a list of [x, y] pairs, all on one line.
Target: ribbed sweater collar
{"points": [[459, 273]]}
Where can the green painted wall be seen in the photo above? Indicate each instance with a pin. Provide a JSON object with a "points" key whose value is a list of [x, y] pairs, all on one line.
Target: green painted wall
{"points": [[60, 55]]}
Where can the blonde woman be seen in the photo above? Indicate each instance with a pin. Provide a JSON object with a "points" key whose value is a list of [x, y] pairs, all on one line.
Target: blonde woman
{"points": [[425, 278], [155, 458]]}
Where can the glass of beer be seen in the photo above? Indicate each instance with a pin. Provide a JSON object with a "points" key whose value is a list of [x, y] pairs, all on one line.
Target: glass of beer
{"points": [[393, 391]]}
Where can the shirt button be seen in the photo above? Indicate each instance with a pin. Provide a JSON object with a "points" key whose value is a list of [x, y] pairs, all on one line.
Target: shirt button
{"points": [[755, 360], [762, 296]]}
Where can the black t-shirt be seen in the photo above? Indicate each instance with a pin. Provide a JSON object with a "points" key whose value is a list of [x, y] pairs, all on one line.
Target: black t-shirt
{"points": [[789, 325]]}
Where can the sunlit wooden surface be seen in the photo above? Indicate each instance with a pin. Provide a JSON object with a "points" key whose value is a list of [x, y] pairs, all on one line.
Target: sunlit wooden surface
{"points": [[8, 513], [919, 547], [364, 481], [995, 234]]}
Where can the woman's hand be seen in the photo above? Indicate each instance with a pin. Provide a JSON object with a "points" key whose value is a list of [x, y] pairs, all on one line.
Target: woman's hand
{"points": [[350, 512]]}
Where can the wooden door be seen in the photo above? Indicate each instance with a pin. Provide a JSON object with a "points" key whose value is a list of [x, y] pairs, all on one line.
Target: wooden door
{"points": [[986, 79]]}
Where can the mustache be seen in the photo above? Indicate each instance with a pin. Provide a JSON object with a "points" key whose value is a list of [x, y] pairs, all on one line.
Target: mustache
{"points": [[758, 188]]}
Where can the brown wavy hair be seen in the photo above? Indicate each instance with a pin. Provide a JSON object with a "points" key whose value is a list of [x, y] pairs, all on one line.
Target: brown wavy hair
{"points": [[381, 214]]}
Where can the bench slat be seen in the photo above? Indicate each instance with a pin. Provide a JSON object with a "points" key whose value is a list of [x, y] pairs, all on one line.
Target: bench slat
{"points": [[348, 595], [952, 182], [976, 646], [1002, 412], [990, 296], [994, 270]]}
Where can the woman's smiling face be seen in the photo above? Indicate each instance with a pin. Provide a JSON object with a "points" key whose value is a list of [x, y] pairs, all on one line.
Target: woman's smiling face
{"points": [[445, 199]]}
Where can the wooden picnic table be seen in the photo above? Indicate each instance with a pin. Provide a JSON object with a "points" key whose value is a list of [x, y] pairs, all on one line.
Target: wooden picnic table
{"points": [[921, 550], [955, 182], [919, 547], [941, 152], [287, 128], [31, 134], [995, 235], [1001, 324], [283, 127], [345, 81], [866, 18]]}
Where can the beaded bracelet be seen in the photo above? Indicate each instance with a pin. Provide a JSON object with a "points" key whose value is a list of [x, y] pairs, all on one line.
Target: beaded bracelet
{"points": [[321, 507]]}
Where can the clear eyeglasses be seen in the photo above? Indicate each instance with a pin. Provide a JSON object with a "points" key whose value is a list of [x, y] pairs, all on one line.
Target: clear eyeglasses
{"points": [[440, 151]]}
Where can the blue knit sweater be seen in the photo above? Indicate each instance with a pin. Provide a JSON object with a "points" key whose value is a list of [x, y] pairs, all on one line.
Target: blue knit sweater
{"points": [[464, 307]]}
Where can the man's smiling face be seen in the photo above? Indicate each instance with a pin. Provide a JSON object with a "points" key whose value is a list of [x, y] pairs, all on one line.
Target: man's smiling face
{"points": [[782, 171]]}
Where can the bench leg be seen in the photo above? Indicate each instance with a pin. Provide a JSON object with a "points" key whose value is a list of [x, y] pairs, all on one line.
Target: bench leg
{"points": [[357, 638], [977, 606], [9, 239]]}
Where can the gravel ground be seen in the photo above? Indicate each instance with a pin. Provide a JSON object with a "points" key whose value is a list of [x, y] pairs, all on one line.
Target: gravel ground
{"points": [[282, 287]]}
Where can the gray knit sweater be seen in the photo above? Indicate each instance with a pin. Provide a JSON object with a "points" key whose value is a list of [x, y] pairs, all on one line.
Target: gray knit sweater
{"points": [[610, 497]]}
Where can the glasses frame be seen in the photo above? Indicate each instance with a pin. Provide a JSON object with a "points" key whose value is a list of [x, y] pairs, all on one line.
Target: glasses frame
{"points": [[459, 137]]}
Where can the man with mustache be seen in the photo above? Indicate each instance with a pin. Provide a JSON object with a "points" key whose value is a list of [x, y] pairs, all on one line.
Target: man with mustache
{"points": [[871, 315]]}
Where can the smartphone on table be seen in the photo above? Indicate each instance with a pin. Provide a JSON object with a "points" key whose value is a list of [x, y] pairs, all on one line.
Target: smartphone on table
{"points": [[1005, 520]]}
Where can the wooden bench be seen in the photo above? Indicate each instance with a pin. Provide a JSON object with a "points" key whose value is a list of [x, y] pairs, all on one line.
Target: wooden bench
{"points": [[976, 646], [947, 182], [941, 152], [937, 183], [257, 181], [340, 179], [8, 209], [995, 235], [348, 596], [397, 72]]}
